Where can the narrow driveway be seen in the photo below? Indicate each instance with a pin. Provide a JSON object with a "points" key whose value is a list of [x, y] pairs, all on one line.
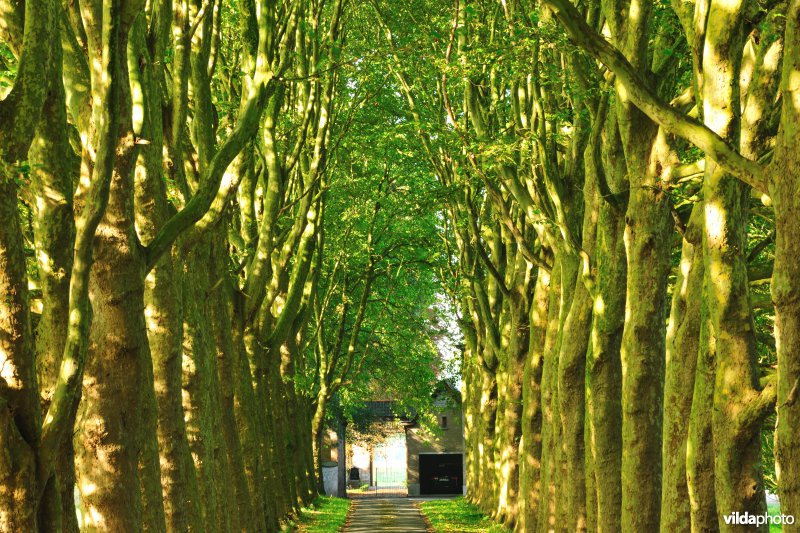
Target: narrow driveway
{"points": [[385, 514]]}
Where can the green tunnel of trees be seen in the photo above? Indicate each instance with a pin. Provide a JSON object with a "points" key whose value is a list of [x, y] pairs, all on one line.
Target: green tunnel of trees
{"points": [[223, 224]]}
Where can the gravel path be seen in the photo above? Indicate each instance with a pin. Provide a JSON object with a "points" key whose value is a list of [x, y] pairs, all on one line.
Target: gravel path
{"points": [[385, 514]]}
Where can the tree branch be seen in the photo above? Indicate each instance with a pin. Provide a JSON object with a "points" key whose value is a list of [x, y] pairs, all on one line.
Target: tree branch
{"points": [[760, 407], [637, 90], [200, 204]]}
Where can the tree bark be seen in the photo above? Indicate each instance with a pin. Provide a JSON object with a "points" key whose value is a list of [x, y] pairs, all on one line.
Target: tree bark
{"points": [[647, 237], [573, 354], [530, 447], [111, 433], [227, 367], [197, 353], [551, 425], [604, 372], [786, 278], [683, 346], [700, 447]]}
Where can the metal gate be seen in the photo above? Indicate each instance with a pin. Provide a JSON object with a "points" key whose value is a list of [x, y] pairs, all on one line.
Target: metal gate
{"points": [[387, 474], [390, 478]]}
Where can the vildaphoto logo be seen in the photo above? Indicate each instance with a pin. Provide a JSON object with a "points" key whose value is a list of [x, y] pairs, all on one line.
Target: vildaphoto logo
{"points": [[747, 519]]}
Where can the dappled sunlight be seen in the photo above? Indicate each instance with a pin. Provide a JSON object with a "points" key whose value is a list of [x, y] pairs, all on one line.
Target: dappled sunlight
{"points": [[715, 223], [635, 11], [68, 368], [686, 267], [151, 319], [137, 97], [794, 88], [599, 305], [746, 70], [8, 372], [76, 316], [278, 304], [391, 515], [96, 518], [88, 488], [730, 388]]}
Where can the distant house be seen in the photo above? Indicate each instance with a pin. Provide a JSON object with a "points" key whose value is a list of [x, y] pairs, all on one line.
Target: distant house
{"points": [[435, 460], [417, 461]]}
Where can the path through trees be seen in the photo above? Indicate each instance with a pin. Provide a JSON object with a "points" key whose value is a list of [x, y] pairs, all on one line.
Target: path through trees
{"points": [[225, 224]]}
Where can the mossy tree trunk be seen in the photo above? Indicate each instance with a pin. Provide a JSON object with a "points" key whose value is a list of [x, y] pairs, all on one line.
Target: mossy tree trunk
{"points": [[604, 370], [786, 278], [683, 346]]}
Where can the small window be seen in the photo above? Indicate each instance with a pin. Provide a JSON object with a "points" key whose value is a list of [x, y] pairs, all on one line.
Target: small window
{"points": [[444, 422]]}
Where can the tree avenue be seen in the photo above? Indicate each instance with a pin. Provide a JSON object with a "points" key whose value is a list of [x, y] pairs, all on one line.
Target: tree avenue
{"points": [[226, 225]]}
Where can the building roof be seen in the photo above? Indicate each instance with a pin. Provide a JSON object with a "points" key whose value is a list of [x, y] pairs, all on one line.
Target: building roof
{"points": [[387, 410]]}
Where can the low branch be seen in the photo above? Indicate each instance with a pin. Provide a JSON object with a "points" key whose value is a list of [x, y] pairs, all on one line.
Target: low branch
{"points": [[760, 407], [761, 300], [759, 273], [762, 244]]}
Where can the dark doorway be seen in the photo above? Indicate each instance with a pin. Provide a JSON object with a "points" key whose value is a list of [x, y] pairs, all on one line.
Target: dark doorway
{"points": [[441, 473]]}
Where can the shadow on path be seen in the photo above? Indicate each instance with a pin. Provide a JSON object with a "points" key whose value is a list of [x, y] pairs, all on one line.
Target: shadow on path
{"points": [[385, 514]]}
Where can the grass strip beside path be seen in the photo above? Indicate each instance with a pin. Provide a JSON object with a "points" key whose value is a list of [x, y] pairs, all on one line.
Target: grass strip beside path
{"points": [[774, 509], [458, 515], [325, 515]]}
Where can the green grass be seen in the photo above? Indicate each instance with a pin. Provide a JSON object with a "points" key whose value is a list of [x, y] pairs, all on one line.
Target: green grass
{"points": [[325, 515], [458, 515], [774, 509]]}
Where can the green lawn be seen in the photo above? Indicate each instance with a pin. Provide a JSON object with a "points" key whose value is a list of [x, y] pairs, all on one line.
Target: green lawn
{"points": [[457, 515], [774, 509], [325, 515]]}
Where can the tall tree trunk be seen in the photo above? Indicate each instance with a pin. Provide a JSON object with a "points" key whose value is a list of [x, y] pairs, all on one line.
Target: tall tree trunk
{"points": [[197, 353], [683, 339], [31, 25], [518, 352], [249, 421], [19, 397], [786, 295], [572, 359], [700, 447], [54, 166], [153, 514], [737, 441], [470, 398], [550, 421], [110, 433], [227, 367], [163, 302], [647, 239], [163, 305], [786, 278], [604, 372], [530, 447], [488, 414], [736, 430], [341, 448], [590, 479], [317, 433]]}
